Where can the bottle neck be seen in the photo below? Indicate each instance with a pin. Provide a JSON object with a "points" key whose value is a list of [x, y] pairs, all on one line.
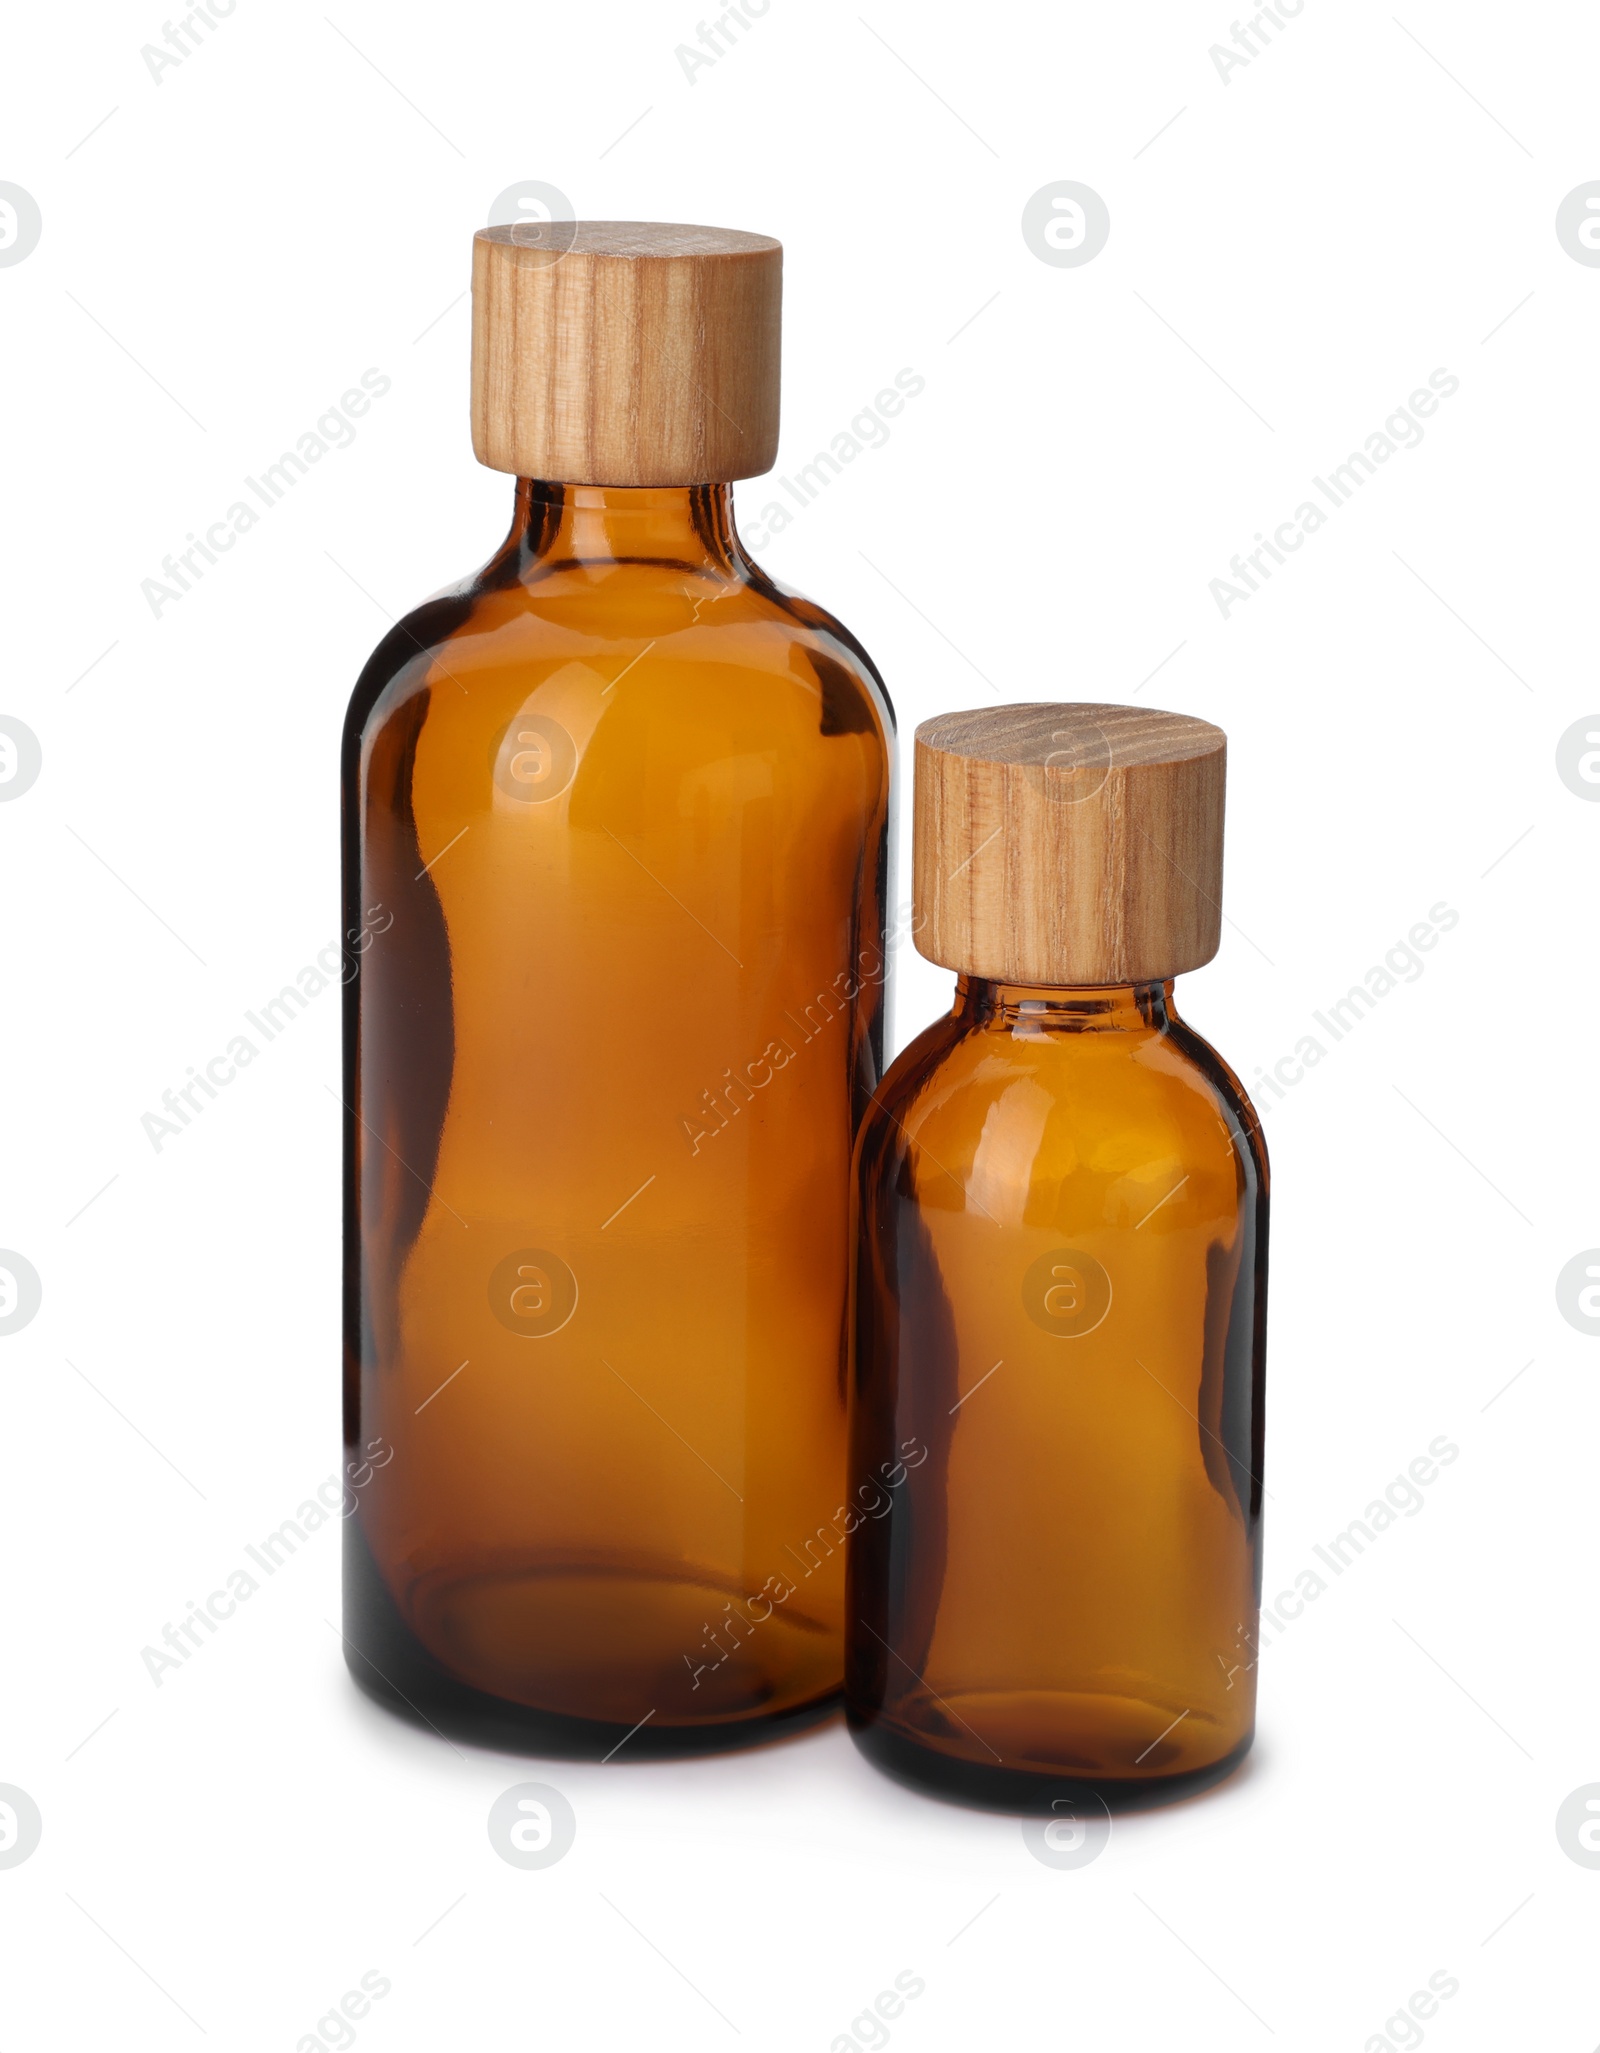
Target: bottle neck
{"points": [[1027, 1010], [600, 526]]}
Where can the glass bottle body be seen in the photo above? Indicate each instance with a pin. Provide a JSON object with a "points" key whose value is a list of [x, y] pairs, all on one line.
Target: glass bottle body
{"points": [[616, 818], [1060, 1330]]}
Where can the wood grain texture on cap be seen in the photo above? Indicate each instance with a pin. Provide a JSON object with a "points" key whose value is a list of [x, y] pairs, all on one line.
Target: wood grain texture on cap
{"points": [[625, 352], [1069, 844]]}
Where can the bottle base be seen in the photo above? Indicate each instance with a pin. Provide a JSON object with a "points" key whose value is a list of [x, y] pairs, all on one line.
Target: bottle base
{"points": [[391, 1665], [1032, 1790]]}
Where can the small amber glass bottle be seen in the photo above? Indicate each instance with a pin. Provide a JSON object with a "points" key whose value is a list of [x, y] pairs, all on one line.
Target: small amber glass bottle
{"points": [[616, 820], [1060, 1288]]}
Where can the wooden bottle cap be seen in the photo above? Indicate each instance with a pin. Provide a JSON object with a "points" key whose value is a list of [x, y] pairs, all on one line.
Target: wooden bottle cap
{"points": [[1069, 844], [625, 352]]}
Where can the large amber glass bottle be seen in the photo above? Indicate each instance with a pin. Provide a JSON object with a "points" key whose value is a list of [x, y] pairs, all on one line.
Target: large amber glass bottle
{"points": [[1060, 1289], [616, 827]]}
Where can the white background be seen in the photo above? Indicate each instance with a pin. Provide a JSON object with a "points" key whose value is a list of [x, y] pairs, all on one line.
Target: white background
{"points": [[1295, 252]]}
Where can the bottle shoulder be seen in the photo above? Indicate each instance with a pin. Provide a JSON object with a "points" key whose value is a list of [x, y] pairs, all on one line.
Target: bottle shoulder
{"points": [[1052, 1101], [651, 631]]}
